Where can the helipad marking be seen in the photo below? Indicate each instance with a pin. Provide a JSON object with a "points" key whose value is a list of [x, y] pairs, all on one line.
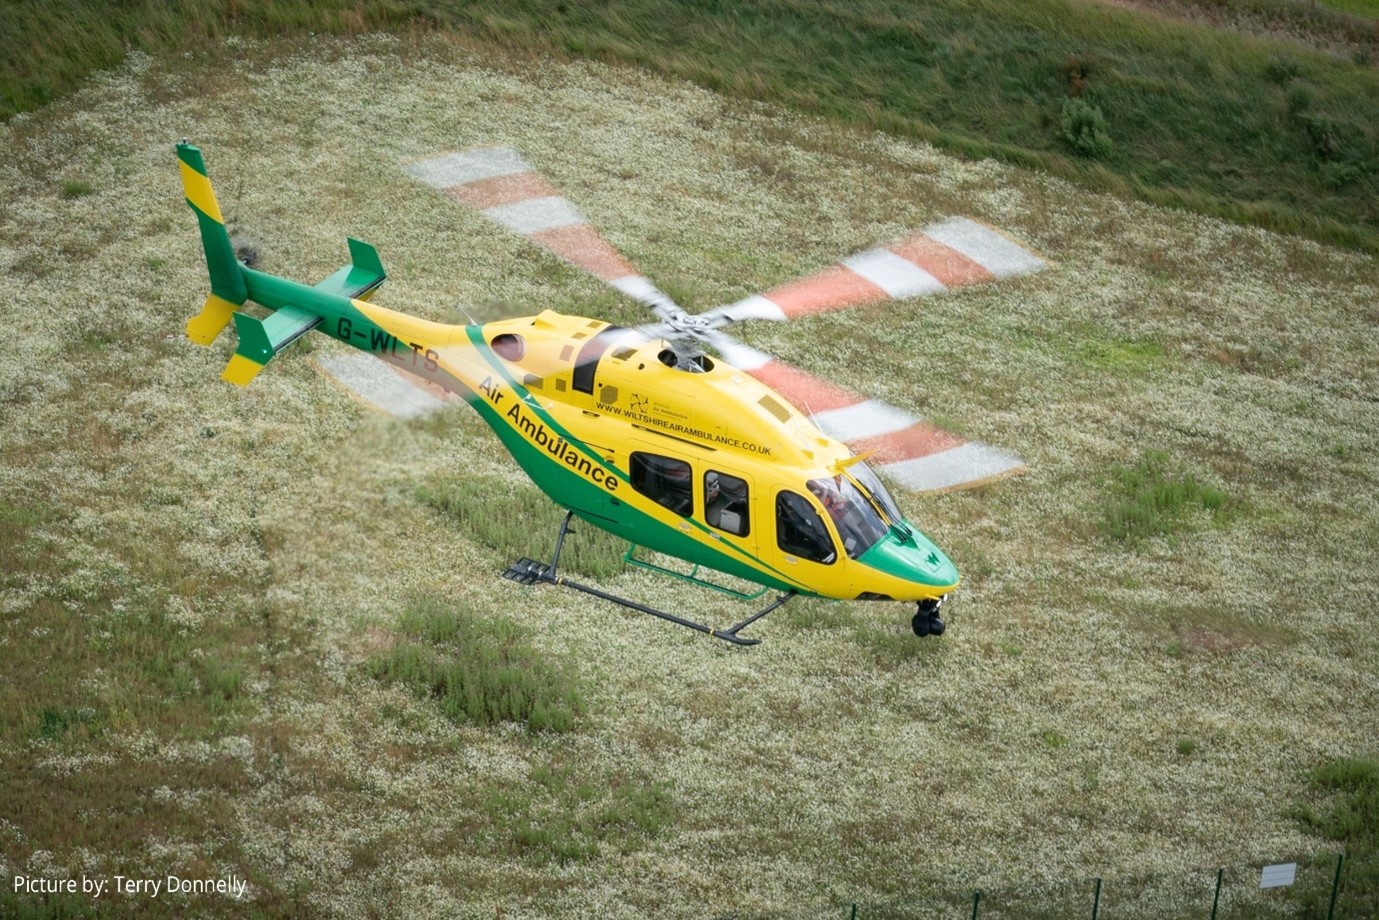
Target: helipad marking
{"points": [[867, 419], [987, 248], [964, 465], [897, 276], [535, 215], [468, 166]]}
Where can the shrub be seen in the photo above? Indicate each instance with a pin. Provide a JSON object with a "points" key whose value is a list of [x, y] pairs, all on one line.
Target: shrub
{"points": [[1351, 818], [1152, 499], [515, 519], [76, 188], [479, 669], [1084, 128]]}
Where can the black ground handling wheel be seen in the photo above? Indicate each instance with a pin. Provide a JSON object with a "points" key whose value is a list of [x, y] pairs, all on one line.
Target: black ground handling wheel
{"points": [[926, 620]]}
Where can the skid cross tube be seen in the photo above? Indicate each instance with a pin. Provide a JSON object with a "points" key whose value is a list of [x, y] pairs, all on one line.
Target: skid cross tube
{"points": [[529, 571]]}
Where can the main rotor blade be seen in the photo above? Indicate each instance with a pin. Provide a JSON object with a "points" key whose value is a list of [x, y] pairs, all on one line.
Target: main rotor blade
{"points": [[386, 387], [952, 253], [907, 449], [501, 185]]}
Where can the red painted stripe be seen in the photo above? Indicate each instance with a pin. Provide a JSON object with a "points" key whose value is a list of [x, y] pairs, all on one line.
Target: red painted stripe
{"points": [[488, 193], [834, 288], [919, 440], [807, 393], [581, 245], [949, 266]]}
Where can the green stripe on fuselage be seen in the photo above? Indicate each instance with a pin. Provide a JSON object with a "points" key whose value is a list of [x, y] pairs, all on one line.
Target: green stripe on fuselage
{"points": [[595, 503]]}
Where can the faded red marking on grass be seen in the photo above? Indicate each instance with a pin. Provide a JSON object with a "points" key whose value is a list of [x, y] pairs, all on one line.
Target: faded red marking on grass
{"points": [[581, 245], [500, 190], [835, 288], [950, 267]]}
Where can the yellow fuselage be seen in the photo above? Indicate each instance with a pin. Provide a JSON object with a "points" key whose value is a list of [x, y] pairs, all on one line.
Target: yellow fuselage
{"points": [[692, 464]]}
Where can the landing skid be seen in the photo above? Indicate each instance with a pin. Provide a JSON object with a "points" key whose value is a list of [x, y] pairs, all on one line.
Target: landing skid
{"points": [[528, 571]]}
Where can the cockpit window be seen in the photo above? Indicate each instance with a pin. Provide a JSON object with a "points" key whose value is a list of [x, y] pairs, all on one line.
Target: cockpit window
{"points": [[857, 521], [866, 477], [800, 531]]}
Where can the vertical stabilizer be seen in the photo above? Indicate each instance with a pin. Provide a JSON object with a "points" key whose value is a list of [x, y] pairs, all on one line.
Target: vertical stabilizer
{"points": [[227, 280]]}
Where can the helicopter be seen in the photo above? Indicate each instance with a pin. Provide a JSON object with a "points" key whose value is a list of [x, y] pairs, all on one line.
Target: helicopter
{"points": [[640, 431]]}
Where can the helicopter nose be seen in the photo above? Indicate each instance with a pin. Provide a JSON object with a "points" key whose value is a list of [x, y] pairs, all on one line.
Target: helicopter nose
{"points": [[913, 557], [937, 568]]}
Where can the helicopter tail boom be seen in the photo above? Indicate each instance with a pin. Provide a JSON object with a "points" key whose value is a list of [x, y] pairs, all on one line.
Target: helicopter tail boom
{"points": [[297, 307]]}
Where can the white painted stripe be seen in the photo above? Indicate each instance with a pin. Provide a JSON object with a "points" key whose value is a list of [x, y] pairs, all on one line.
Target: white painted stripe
{"points": [[754, 307], [896, 276], [966, 463], [987, 248], [536, 214], [469, 166], [742, 357], [864, 420], [380, 385]]}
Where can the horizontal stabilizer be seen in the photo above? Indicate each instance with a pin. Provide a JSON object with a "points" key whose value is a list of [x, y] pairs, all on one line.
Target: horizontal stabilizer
{"points": [[360, 278], [260, 340]]}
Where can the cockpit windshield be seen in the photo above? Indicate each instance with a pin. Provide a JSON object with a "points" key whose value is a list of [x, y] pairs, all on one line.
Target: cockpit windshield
{"points": [[857, 521], [873, 486]]}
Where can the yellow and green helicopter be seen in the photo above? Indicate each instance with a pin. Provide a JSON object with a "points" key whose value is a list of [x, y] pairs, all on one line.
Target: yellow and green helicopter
{"points": [[639, 431]]}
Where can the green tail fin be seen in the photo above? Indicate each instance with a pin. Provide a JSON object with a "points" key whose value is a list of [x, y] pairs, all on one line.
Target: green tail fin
{"points": [[260, 340], [227, 280]]}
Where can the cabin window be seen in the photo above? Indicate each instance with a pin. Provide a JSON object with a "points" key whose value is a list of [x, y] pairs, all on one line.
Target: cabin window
{"points": [[800, 531], [664, 480], [725, 502], [508, 346], [857, 521]]}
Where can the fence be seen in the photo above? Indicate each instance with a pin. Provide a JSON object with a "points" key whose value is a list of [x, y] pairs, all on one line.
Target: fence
{"points": [[1315, 887]]}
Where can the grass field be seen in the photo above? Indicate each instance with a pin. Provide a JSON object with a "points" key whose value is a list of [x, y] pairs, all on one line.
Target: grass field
{"points": [[228, 618]]}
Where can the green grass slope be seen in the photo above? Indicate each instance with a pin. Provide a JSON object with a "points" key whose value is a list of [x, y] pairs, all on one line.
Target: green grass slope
{"points": [[228, 619], [1262, 130]]}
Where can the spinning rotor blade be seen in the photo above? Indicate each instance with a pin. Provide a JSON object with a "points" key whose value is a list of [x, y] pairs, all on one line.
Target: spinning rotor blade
{"points": [[949, 254], [499, 183], [955, 252], [904, 447]]}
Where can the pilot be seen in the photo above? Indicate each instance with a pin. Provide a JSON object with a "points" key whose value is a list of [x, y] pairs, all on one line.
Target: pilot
{"points": [[827, 492]]}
